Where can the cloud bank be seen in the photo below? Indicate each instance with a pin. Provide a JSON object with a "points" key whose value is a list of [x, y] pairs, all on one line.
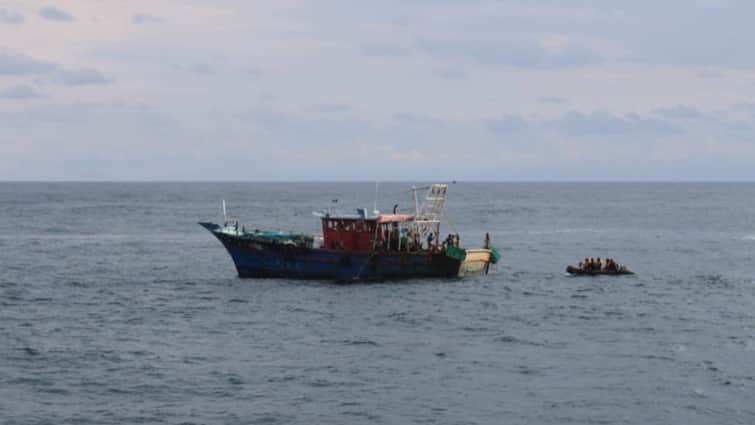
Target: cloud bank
{"points": [[12, 63], [80, 77], [146, 18], [10, 17], [20, 92], [396, 90], [54, 14]]}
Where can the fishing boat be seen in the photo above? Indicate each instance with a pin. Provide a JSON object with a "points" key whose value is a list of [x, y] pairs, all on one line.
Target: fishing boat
{"points": [[361, 246]]}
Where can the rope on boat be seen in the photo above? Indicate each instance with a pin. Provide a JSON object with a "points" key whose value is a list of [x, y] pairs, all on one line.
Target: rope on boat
{"points": [[448, 219], [374, 251], [361, 269]]}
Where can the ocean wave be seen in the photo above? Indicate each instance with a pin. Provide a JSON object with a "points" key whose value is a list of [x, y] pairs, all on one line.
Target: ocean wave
{"points": [[715, 280], [351, 342]]}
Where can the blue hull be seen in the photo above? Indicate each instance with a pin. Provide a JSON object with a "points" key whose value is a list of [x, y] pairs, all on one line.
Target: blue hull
{"points": [[256, 259]]}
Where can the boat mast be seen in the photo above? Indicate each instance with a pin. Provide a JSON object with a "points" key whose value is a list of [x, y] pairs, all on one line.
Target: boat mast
{"points": [[427, 219], [416, 200]]}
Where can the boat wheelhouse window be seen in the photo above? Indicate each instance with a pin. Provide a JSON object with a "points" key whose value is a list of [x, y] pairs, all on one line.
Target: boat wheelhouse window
{"points": [[348, 225]]}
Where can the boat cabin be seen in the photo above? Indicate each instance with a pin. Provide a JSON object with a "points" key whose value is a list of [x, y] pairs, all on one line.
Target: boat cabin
{"points": [[360, 233]]}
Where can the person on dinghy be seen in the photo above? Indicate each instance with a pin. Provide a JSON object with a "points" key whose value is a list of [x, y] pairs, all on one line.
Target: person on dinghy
{"points": [[610, 265]]}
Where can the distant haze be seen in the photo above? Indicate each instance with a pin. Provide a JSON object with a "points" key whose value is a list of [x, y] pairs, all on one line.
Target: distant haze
{"points": [[384, 90]]}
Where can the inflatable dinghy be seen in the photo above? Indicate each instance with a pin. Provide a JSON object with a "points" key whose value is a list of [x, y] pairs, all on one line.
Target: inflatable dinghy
{"points": [[576, 271]]}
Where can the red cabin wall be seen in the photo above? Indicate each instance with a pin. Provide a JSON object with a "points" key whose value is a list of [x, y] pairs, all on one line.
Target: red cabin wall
{"points": [[352, 235]]}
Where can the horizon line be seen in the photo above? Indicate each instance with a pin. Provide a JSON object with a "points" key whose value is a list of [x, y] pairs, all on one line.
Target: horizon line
{"points": [[310, 181]]}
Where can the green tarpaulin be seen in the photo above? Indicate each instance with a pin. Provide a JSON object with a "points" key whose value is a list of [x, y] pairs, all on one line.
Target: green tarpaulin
{"points": [[496, 255], [456, 253]]}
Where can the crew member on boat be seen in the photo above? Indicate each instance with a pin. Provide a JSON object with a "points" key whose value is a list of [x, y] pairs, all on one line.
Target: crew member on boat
{"points": [[394, 238]]}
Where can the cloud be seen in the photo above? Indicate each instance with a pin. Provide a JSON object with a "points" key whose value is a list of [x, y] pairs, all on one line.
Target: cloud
{"points": [[80, 77], [608, 124], [331, 108], [710, 74], [10, 17], [418, 120], [679, 111], [199, 69], [378, 49], [146, 18], [20, 92], [322, 130], [73, 114], [551, 100], [12, 63], [19, 64], [527, 54], [452, 73], [506, 124], [521, 52], [55, 14], [251, 72], [744, 107]]}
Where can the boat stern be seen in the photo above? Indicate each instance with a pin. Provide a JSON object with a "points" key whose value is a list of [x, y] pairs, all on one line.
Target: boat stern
{"points": [[476, 261]]}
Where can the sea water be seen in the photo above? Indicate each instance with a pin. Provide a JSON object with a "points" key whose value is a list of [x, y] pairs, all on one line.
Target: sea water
{"points": [[116, 307]]}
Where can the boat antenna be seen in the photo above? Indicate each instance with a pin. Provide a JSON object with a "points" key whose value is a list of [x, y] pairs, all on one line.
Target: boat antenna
{"points": [[374, 207], [416, 200], [225, 216]]}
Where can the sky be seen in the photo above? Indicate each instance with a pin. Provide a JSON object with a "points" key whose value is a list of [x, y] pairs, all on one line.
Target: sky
{"points": [[410, 90]]}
